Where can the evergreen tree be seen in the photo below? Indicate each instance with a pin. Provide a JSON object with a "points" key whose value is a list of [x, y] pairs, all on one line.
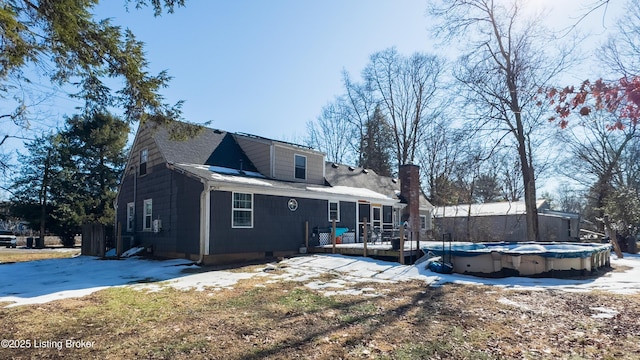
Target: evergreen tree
{"points": [[64, 41], [35, 181], [377, 145], [70, 178], [97, 158], [487, 188]]}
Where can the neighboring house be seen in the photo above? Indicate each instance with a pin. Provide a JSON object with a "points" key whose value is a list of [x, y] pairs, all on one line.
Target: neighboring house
{"points": [[504, 221], [220, 197]]}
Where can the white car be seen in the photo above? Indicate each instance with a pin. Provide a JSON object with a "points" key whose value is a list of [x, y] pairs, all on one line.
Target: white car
{"points": [[8, 239]]}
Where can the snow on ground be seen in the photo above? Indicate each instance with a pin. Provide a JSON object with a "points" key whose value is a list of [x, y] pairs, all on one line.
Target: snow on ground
{"points": [[42, 281]]}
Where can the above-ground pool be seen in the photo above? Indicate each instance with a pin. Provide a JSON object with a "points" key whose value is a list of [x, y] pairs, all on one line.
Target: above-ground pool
{"points": [[535, 259]]}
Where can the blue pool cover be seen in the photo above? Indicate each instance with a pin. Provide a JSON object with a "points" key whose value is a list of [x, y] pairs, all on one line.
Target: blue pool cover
{"points": [[544, 249]]}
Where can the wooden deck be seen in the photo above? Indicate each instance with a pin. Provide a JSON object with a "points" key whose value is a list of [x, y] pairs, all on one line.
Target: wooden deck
{"points": [[382, 250]]}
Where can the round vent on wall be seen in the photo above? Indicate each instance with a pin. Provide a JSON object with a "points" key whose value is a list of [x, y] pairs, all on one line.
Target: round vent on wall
{"points": [[293, 204]]}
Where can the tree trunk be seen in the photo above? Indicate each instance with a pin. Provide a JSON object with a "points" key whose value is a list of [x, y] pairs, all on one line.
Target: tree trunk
{"points": [[528, 178], [526, 164], [43, 195]]}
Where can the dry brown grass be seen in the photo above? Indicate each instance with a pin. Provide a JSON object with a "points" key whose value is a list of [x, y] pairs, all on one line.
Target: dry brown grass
{"points": [[286, 320], [28, 255]]}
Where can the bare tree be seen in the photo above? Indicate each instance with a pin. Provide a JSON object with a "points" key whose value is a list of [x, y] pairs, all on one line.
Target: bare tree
{"points": [[621, 53], [511, 177], [359, 106], [569, 199], [332, 133], [408, 88], [438, 156], [500, 75], [597, 156]]}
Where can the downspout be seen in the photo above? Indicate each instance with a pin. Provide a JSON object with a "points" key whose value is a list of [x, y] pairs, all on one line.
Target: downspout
{"points": [[205, 217]]}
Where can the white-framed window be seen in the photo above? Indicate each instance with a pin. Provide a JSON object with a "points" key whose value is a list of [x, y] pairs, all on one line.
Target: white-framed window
{"points": [[242, 210], [423, 222], [131, 213], [300, 170], [144, 157], [147, 215], [334, 210]]}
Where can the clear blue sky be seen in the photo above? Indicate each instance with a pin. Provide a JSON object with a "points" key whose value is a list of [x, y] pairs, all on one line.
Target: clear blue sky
{"points": [[268, 67]]}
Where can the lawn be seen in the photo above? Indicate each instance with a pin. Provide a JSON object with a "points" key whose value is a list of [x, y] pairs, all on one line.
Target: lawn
{"points": [[259, 318], [22, 255]]}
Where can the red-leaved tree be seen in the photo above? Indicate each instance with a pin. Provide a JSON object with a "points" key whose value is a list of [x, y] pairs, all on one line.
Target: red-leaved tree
{"points": [[621, 98]]}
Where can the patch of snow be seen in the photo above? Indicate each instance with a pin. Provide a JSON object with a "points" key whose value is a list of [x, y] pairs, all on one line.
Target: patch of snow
{"points": [[38, 282], [239, 179], [317, 285], [347, 190], [604, 313], [229, 175], [133, 251], [201, 281], [42, 281], [229, 171], [512, 303]]}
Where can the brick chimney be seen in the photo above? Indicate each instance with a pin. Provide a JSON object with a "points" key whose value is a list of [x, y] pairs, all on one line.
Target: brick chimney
{"points": [[410, 193]]}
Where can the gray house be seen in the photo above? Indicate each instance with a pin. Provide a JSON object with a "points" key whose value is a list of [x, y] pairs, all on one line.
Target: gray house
{"points": [[504, 221], [220, 197]]}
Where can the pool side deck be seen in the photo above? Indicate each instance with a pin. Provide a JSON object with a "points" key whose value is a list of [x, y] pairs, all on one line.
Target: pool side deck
{"points": [[378, 249]]}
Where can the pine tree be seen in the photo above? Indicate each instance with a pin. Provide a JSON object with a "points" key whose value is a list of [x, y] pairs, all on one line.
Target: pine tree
{"points": [[35, 181], [70, 178], [64, 38], [96, 150], [377, 145]]}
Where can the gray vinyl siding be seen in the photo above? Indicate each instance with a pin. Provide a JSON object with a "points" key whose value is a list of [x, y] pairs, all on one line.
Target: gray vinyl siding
{"points": [[347, 215], [145, 141], [175, 201], [275, 227], [186, 214], [284, 164], [259, 152]]}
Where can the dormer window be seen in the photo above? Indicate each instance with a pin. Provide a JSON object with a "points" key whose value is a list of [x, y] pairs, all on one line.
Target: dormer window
{"points": [[144, 156], [300, 171]]}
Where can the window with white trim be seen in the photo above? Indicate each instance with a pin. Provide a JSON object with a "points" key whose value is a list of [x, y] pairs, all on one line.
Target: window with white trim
{"points": [[242, 210], [334, 210], [147, 215], [131, 213], [144, 156], [300, 171], [423, 222]]}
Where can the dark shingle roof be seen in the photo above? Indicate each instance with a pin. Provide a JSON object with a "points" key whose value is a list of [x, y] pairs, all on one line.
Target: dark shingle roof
{"points": [[193, 150], [229, 154], [344, 175], [209, 146]]}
